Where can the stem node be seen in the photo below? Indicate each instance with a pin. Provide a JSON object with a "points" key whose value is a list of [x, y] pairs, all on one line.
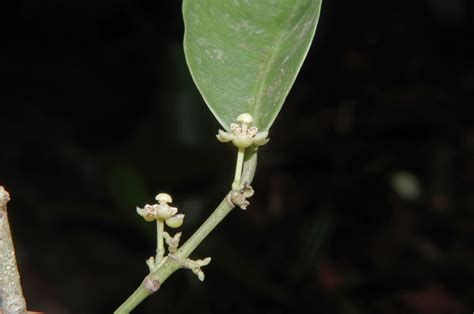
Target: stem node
{"points": [[151, 285]]}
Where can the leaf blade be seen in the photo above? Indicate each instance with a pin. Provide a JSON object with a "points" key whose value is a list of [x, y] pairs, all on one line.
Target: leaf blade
{"points": [[244, 55]]}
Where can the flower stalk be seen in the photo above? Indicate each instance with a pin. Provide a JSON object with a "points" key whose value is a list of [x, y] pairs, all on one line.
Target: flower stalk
{"points": [[238, 168], [160, 248]]}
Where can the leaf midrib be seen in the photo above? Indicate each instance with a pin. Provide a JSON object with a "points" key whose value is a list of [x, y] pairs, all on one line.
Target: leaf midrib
{"points": [[265, 67]]}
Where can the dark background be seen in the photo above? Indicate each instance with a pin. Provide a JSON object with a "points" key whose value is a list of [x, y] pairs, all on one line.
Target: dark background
{"points": [[364, 198]]}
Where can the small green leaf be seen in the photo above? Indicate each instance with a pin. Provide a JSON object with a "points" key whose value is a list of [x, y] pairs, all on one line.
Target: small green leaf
{"points": [[244, 55]]}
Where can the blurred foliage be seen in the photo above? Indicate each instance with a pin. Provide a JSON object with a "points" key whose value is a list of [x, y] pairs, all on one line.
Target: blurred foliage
{"points": [[98, 114]]}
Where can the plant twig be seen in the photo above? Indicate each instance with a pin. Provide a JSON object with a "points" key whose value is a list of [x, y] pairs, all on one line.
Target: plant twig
{"points": [[13, 301], [154, 280]]}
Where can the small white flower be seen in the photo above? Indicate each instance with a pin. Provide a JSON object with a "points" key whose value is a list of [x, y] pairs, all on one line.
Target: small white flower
{"points": [[243, 136], [162, 211]]}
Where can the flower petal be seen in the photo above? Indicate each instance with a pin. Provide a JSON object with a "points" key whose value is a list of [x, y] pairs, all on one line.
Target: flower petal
{"points": [[261, 138], [224, 136]]}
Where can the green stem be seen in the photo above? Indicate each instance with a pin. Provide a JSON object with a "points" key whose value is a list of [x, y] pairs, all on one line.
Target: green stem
{"points": [[160, 248], [216, 217], [161, 274], [238, 168], [170, 265]]}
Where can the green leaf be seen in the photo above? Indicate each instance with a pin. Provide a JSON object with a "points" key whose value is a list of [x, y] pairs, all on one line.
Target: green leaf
{"points": [[244, 55]]}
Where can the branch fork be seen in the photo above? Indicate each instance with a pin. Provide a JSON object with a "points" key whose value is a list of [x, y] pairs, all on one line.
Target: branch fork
{"points": [[239, 197]]}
